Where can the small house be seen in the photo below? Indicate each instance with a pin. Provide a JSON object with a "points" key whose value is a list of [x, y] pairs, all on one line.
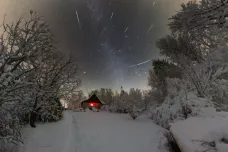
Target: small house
{"points": [[92, 102]]}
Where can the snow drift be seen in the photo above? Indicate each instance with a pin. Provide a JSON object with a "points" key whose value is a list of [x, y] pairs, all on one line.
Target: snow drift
{"points": [[202, 134], [178, 108]]}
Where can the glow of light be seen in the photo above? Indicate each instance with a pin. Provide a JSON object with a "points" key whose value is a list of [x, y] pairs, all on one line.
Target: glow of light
{"points": [[92, 104]]}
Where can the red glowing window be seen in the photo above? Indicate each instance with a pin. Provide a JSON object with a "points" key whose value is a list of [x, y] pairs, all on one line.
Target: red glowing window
{"points": [[92, 104]]}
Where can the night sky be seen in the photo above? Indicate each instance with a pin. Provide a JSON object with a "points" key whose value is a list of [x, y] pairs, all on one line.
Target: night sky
{"points": [[112, 40]]}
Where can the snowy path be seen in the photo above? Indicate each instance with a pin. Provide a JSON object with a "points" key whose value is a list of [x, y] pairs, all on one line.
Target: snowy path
{"points": [[106, 132], [51, 137], [93, 132]]}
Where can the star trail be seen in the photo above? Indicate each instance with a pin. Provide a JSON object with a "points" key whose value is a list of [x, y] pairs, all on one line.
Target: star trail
{"points": [[112, 40]]}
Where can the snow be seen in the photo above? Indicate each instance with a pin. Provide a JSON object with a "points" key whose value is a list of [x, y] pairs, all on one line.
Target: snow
{"points": [[193, 132], [172, 109], [52, 137], [94, 132]]}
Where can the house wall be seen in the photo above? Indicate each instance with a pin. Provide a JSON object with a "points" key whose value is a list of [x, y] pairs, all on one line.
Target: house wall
{"points": [[86, 105]]}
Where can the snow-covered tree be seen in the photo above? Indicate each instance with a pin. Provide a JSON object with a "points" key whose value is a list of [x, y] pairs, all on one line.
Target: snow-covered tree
{"points": [[193, 65], [55, 78], [162, 69], [131, 102], [34, 75], [118, 103], [109, 96], [213, 73], [198, 48], [151, 100], [18, 44], [75, 99], [134, 103], [204, 21]]}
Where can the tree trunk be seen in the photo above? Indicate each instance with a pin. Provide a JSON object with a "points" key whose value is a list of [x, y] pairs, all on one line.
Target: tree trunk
{"points": [[33, 114], [32, 119]]}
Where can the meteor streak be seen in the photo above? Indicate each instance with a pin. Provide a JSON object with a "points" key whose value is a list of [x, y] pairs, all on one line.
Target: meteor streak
{"points": [[78, 19], [139, 63]]}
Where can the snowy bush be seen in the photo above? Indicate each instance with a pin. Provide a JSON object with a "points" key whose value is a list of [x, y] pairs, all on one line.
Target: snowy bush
{"points": [[105, 108], [9, 127], [134, 110], [219, 94], [178, 108], [133, 102], [52, 111], [117, 106]]}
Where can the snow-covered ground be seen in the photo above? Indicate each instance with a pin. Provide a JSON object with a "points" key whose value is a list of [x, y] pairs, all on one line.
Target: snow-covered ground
{"points": [[52, 137], [94, 132], [199, 134]]}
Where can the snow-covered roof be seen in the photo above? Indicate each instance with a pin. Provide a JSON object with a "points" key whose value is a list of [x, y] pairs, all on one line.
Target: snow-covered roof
{"points": [[94, 98], [102, 102]]}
